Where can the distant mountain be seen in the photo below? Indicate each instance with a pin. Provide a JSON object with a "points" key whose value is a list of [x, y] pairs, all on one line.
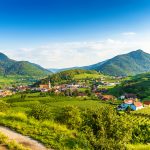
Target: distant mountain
{"points": [[54, 70], [133, 63], [12, 67]]}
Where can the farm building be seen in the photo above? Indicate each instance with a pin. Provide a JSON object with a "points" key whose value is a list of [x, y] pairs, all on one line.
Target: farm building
{"points": [[107, 97], [45, 86], [130, 103], [146, 103]]}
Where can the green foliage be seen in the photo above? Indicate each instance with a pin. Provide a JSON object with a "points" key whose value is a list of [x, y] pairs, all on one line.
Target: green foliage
{"points": [[128, 64], [71, 116], [141, 134], [12, 67], [105, 129], [139, 85], [11, 144], [138, 147], [69, 76], [75, 123], [40, 112], [4, 106]]}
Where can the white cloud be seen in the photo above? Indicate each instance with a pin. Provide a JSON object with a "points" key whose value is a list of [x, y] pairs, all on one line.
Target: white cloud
{"points": [[128, 33], [68, 54]]}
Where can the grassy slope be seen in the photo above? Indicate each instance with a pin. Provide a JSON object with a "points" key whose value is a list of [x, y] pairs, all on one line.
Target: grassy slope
{"points": [[139, 84], [10, 144], [70, 76], [17, 80], [50, 133], [12, 67], [26, 68], [127, 64]]}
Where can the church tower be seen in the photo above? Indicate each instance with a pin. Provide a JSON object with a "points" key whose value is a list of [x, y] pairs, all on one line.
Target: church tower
{"points": [[49, 85]]}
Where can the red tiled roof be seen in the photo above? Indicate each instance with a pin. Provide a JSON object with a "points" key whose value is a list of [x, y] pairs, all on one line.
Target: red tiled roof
{"points": [[146, 102], [129, 101], [138, 104]]}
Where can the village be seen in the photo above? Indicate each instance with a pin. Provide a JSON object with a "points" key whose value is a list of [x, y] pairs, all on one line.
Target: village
{"points": [[96, 90]]}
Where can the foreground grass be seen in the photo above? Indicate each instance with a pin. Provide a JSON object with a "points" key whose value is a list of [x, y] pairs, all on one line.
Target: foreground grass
{"points": [[49, 132], [11, 144], [52, 135], [138, 147]]}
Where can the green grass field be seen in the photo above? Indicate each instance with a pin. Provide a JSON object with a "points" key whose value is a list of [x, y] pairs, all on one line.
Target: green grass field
{"points": [[17, 80], [86, 75]]}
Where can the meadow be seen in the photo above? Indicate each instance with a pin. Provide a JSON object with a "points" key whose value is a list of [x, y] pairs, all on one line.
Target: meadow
{"points": [[16, 80]]}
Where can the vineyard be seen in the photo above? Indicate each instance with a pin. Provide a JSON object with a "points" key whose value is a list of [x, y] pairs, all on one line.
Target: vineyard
{"points": [[143, 112], [46, 117], [138, 119]]}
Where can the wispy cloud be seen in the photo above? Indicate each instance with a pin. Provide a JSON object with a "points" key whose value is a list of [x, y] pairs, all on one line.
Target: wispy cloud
{"points": [[68, 54], [128, 33]]}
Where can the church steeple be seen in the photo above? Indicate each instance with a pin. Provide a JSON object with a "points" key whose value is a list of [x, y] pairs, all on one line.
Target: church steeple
{"points": [[49, 84]]}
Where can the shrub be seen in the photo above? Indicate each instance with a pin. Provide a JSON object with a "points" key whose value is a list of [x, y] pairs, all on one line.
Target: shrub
{"points": [[4, 106], [70, 116], [40, 112], [141, 134], [105, 129]]}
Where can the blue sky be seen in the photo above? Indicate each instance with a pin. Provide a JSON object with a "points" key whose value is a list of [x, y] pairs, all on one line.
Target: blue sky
{"points": [[65, 33]]}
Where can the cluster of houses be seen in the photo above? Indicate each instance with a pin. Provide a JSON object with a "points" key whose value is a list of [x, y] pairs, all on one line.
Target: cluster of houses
{"points": [[131, 101], [4, 93], [60, 88], [104, 83]]}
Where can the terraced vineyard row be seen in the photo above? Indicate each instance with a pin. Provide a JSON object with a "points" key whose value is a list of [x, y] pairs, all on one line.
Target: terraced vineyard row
{"points": [[143, 112], [138, 119]]}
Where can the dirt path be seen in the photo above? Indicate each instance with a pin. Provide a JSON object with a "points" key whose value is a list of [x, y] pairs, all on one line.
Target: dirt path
{"points": [[24, 140]]}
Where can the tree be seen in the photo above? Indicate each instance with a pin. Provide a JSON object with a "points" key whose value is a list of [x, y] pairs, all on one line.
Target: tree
{"points": [[106, 129], [128, 109], [88, 92], [71, 116], [40, 112]]}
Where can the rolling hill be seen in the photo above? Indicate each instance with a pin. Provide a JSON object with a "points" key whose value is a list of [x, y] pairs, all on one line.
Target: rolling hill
{"points": [[12, 67], [69, 76], [133, 63]]}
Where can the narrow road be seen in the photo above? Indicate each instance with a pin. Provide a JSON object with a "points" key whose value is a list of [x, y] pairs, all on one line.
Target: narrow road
{"points": [[24, 140]]}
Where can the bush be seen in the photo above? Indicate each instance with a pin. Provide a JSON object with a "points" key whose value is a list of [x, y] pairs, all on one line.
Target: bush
{"points": [[105, 129], [19, 116], [4, 106], [40, 112], [70, 116], [141, 134]]}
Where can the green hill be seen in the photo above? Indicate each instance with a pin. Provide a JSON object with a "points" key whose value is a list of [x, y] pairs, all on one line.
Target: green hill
{"points": [[139, 85], [70, 76], [12, 67], [133, 63]]}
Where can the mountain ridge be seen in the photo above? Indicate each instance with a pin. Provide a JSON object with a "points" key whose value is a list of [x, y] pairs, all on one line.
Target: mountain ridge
{"points": [[13, 67], [132, 63]]}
